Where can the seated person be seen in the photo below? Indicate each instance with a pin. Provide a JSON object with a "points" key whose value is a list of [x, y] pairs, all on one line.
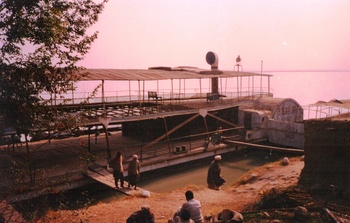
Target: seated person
{"points": [[184, 217], [193, 206], [142, 216]]}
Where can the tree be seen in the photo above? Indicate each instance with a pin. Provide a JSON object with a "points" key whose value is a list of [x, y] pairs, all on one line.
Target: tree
{"points": [[41, 42]]}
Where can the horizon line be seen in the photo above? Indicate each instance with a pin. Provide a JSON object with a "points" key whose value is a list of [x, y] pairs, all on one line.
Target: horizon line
{"points": [[296, 70]]}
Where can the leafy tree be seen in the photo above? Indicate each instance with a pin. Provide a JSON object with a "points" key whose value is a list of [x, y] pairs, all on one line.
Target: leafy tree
{"points": [[41, 42]]}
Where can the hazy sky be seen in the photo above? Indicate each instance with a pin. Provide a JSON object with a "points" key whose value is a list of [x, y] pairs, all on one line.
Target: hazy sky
{"points": [[288, 34]]}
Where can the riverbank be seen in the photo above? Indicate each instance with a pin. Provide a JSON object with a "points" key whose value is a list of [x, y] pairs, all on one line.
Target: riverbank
{"points": [[242, 194]]}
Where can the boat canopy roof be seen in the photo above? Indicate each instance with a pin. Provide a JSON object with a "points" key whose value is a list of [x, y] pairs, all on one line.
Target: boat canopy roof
{"points": [[161, 73]]}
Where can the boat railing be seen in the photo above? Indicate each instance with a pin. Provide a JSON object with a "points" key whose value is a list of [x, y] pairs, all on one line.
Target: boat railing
{"points": [[169, 97], [178, 146], [318, 111]]}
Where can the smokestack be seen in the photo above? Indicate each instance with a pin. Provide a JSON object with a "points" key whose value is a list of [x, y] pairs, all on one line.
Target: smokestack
{"points": [[213, 60]]}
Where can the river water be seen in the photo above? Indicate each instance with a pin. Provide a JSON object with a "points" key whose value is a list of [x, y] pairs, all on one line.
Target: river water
{"points": [[232, 168], [165, 180]]}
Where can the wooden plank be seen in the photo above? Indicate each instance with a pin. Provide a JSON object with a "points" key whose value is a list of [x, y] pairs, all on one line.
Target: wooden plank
{"points": [[109, 181], [298, 151], [100, 174]]}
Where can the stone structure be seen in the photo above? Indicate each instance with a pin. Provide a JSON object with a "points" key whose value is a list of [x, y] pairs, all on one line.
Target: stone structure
{"points": [[327, 154]]}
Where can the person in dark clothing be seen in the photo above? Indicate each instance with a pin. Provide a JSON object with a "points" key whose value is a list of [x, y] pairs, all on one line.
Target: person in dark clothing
{"points": [[118, 170], [214, 178], [143, 216]]}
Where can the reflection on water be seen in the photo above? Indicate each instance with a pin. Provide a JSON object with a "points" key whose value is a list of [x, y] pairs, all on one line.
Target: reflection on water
{"points": [[232, 167]]}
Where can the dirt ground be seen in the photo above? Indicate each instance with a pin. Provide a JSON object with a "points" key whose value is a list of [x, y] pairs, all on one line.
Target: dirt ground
{"points": [[245, 192]]}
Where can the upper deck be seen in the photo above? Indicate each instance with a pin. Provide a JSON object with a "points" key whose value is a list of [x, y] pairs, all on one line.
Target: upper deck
{"points": [[179, 88]]}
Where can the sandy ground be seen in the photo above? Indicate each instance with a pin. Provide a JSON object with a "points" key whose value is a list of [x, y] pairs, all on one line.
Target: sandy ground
{"points": [[245, 192]]}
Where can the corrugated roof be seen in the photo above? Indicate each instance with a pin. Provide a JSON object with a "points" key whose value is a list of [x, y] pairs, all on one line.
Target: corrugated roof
{"points": [[160, 73]]}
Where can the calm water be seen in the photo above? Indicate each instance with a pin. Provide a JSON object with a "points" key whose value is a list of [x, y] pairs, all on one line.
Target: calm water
{"points": [[233, 167]]}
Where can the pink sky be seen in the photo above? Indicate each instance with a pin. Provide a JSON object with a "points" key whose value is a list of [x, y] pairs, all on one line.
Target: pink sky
{"points": [[287, 34]]}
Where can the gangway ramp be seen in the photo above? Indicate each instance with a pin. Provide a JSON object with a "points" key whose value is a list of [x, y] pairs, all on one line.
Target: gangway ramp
{"points": [[101, 175], [271, 148]]}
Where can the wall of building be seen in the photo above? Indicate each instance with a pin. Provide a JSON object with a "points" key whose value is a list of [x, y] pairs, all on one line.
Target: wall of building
{"points": [[327, 154]]}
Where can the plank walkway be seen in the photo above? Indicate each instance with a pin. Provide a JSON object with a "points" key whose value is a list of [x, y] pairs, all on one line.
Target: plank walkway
{"points": [[100, 174]]}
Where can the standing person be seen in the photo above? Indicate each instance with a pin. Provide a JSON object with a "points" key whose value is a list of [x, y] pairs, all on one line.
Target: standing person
{"points": [[134, 171], [118, 170], [193, 206], [214, 178]]}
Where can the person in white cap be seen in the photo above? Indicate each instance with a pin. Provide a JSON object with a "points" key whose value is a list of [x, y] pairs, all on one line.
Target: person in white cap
{"points": [[214, 178], [134, 171]]}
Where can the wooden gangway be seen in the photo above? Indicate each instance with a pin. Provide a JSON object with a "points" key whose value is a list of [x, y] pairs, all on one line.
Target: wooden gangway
{"points": [[271, 148], [101, 175]]}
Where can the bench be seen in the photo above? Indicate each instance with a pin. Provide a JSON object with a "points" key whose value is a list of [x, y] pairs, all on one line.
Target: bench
{"points": [[153, 95], [213, 96]]}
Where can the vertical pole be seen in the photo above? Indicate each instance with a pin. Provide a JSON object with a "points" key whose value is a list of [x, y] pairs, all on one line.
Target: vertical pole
{"points": [[220, 86], [226, 86], [184, 88], [138, 81], [240, 85], [143, 87], [179, 89], [167, 135], [172, 90], [103, 96], [261, 78], [108, 151], [130, 91], [248, 85], [200, 88], [268, 85], [237, 88], [253, 88]]}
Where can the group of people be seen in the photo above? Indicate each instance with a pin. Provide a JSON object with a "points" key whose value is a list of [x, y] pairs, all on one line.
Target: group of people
{"points": [[118, 170], [189, 212]]}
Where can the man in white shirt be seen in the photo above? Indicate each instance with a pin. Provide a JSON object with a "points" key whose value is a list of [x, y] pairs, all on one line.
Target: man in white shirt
{"points": [[193, 206]]}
